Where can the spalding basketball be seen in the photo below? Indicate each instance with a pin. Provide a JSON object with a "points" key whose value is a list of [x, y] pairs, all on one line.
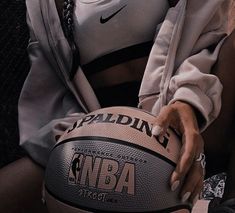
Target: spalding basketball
{"points": [[109, 161]]}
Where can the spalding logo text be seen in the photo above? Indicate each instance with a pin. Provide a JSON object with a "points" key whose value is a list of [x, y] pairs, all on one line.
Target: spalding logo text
{"points": [[120, 119]]}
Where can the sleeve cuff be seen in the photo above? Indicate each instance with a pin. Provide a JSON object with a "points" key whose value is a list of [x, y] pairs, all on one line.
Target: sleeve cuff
{"points": [[200, 101]]}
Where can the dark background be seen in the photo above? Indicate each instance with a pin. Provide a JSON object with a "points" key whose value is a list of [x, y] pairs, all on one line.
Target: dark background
{"points": [[14, 66]]}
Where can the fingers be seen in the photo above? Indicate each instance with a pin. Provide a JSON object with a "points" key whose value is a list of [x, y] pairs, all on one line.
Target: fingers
{"points": [[196, 193], [192, 145], [187, 170], [182, 118], [193, 183]]}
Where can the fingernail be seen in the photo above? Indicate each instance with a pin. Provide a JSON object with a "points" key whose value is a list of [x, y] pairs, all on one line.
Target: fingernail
{"points": [[195, 199], [157, 130], [186, 196], [175, 185]]}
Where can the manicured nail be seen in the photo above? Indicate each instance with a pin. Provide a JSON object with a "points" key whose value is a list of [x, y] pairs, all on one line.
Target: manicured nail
{"points": [[157, 130], [175, 185], [195, 199], [186, 196]]}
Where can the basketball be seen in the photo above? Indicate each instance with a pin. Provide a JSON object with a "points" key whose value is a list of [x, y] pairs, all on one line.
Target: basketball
{"points": [[109, 161]]}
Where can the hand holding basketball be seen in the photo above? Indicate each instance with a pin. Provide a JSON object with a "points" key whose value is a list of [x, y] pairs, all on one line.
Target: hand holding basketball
{"points": [[181, 117], [109, 161]]}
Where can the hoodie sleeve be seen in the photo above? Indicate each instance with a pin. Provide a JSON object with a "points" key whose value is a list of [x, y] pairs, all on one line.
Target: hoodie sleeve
{"points": [[195, 85], [46, 106], [185, 51], [193, 81]]}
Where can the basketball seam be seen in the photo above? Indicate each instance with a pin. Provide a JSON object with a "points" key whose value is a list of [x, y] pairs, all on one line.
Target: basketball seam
{"points": [[118, 141]]}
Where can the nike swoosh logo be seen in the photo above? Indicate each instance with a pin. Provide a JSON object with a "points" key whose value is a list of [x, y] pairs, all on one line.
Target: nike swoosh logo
{"points": [[104, 20]]}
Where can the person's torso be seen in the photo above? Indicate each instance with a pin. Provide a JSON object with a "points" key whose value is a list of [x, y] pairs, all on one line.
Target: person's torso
{"points": [[111, 32], [114, 38]]}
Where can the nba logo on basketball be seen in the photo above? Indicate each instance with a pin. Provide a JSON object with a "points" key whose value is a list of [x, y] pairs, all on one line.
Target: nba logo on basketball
{"points": [[75, 168], [102, 173]]}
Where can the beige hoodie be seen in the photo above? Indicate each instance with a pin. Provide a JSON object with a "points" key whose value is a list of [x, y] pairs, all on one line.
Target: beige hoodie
{"points": [[185, 48]]}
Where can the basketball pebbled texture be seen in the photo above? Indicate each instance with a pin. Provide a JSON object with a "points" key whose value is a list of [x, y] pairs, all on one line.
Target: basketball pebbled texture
{"points": [[110, 162]]}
